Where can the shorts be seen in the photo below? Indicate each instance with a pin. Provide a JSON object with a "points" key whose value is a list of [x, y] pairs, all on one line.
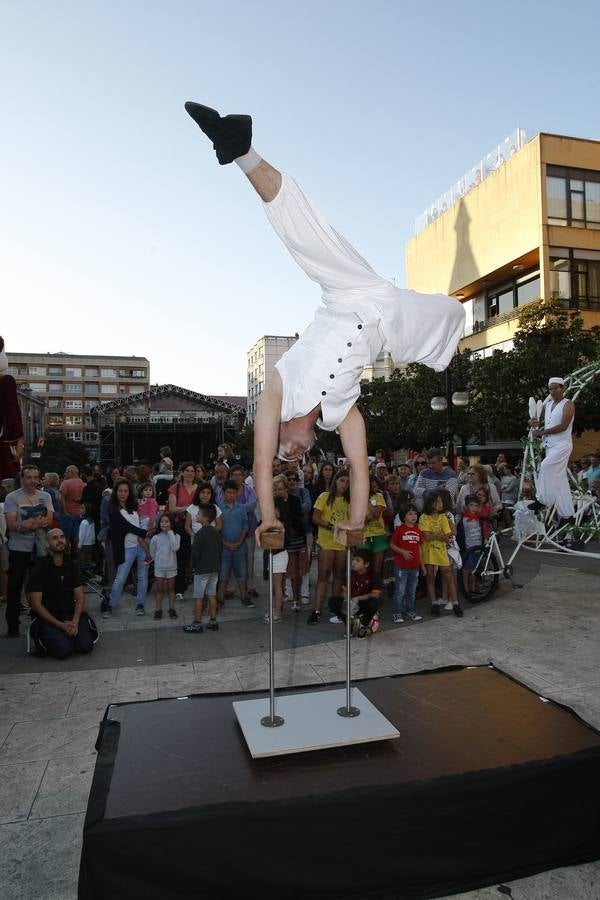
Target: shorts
{"points": [[376, 544], [471, 559], [280, 562], [4, 557], [164, 573], [205, 585], [298, 564], [236, 561]]}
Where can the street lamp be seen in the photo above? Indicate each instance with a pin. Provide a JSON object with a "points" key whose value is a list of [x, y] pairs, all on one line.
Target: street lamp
{"points": [[458, 399]]}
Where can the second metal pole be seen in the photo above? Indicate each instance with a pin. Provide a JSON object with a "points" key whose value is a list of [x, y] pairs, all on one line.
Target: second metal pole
{"points": [[271, 721], [348, 711]]}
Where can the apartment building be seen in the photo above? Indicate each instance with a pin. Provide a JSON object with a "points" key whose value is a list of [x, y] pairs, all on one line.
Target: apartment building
{"points": [[71, 385], [261, 358]]}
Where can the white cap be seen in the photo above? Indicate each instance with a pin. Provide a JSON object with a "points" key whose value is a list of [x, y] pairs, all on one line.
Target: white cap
{"points": [[555, 380]]}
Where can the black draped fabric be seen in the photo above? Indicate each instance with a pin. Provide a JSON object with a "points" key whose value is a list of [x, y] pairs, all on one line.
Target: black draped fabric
{"points": [[486, 783]]}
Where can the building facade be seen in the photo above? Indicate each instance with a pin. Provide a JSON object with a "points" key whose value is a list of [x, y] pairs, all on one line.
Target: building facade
{"points": [[71, 385], [33, 416], [262, 357], [530, 228]]}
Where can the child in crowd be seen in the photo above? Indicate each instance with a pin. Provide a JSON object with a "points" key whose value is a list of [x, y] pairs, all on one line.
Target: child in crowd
{"points": [[406, 543], [486, 510], [86, 543], [364, 601], [453, 548], [437, 536], [163, 550], [375, 534], [206, 565], [470, 534], [147, 511], [404, 498], [204, 495], [509, 491]]}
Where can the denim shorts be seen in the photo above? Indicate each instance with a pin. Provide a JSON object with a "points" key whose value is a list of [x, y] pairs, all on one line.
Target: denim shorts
{"points": [[236, 561], [205, 585]]}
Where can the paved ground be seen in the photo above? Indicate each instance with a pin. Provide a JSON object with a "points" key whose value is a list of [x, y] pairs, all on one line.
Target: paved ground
{"points": [[546, 634]]}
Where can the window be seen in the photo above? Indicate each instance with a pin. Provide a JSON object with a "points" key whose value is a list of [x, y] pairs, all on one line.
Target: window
{"points": [[55, 388], [54, 404], [88, 404], [13, 370], [88, 421], [108, 389], [73, 420], [575, 277], [91, 437], [73, 404], [55, 420], [573, 197], [138, 373], [55, 370], [528, 291], [92, 389], [92, 373], [73, 373], [108, 373], [38, 386], [73, 388], [37, 370], [504, 298], [134, 389], [73, 435]]}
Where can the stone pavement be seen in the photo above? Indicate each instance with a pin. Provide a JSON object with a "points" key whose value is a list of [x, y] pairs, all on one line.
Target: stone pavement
{"points": [[546, 634]]}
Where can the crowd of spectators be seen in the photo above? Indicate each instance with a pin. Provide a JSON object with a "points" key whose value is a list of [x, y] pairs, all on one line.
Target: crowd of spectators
{"points": [[193, 526]]}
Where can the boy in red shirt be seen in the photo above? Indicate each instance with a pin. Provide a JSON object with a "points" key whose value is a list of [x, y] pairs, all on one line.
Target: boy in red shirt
{"points": [[406, 543]]}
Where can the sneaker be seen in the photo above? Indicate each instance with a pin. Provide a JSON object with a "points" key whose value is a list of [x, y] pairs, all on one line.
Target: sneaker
{"points": [[107, 613], [139, 610], [276, 619], [413, 617], [172, 612], [193, 628], [178, 596], [305, 601], [435, 609], [247, 602], [449, 605], [398, 619], [295, 607], [458, 611], [252, 592], [335, 620], [158, 614], [212, 625], [314, 618]]}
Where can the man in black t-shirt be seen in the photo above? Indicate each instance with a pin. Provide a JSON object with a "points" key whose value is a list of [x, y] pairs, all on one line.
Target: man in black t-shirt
{"points": [[57, 599]]}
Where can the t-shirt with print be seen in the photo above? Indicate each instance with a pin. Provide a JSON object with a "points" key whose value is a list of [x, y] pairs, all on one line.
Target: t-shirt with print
{"points": [[376, 527], [410, 538], [338, 511], [24, 541]]}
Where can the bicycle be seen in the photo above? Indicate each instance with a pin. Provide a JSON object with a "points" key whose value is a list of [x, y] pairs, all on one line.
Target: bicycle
{"points": [[490, 565]]}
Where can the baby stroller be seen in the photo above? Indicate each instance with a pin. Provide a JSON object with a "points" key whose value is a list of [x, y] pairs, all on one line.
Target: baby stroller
{"points": [[91, 583]]}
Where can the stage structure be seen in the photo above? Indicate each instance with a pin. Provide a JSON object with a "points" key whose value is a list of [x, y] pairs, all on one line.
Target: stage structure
{"points": [[135, 427]]}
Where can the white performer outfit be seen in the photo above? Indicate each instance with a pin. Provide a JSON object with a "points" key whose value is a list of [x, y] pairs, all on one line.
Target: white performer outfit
{"points": [[552, 482], [362, 315]]}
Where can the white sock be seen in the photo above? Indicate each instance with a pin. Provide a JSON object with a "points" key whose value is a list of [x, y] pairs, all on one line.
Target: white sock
{"points": [[248, 161]]}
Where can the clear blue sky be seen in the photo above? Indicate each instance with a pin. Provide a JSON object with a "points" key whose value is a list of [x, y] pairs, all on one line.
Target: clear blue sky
{"points": [[121, 234]]}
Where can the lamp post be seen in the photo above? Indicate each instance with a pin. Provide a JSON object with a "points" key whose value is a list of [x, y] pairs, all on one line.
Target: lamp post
{"points": [[458, 399]]}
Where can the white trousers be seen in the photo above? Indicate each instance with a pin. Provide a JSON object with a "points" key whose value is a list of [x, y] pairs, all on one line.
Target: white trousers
{"points": [[552, 482]]}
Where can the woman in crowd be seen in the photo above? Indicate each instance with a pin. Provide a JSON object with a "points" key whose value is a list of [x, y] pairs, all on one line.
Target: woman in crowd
{"points": [[478, 477], [126, 548], [298, 562], [181, 495], [51, 484], [330, 507], [292, 560], [324, 478], [375, 535]]}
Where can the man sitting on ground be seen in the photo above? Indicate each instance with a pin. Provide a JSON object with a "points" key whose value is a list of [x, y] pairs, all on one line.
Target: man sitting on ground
{"points": [[57, 599]]}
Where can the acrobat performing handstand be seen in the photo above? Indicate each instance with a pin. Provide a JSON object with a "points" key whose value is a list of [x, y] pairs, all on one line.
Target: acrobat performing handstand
{"points": [[317, 382], [552, 488]]}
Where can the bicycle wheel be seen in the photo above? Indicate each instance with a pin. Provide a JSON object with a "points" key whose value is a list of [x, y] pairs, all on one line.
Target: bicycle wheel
{"points": [[484, 579]]}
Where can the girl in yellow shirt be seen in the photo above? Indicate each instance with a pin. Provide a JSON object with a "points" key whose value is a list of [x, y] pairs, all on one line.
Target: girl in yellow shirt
{"points": [[330, 507], [437, 535]]}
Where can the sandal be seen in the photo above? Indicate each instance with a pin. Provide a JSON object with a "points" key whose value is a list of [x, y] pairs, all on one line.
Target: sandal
{"points": [[276, 619]]}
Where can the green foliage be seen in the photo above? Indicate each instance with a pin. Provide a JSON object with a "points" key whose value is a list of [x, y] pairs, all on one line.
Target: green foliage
{"points": [[59, 452]]}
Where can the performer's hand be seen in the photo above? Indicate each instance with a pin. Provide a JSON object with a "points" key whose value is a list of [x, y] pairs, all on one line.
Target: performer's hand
{"points": [[533, 422], [267, 525], [537, 432]]}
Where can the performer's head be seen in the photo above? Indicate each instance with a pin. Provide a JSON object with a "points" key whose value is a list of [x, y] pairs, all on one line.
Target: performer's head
{"points": [[296, 437], [556, 388]]}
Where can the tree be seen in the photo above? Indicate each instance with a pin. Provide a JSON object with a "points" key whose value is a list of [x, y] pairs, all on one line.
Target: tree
{"points": [[59, 452]]}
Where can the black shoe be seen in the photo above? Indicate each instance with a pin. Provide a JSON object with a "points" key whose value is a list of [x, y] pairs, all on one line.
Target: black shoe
{"points": [[247, 602], [458, 611], [231, 135], [212, 625], [535, 505], [314, 618], [435, 609]]}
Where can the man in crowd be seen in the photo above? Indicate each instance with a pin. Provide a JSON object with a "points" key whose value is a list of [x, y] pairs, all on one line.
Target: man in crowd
{"points": [[218, 482], [57, 599], [27, 511], [436, 476], [71, 490], [593, 472]]}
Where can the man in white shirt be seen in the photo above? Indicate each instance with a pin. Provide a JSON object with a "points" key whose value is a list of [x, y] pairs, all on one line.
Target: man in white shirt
{"points": [[318, 380]]}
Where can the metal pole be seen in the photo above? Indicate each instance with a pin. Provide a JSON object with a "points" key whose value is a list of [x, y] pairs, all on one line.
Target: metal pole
{"points": [[271, 721], [348, 711]]}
